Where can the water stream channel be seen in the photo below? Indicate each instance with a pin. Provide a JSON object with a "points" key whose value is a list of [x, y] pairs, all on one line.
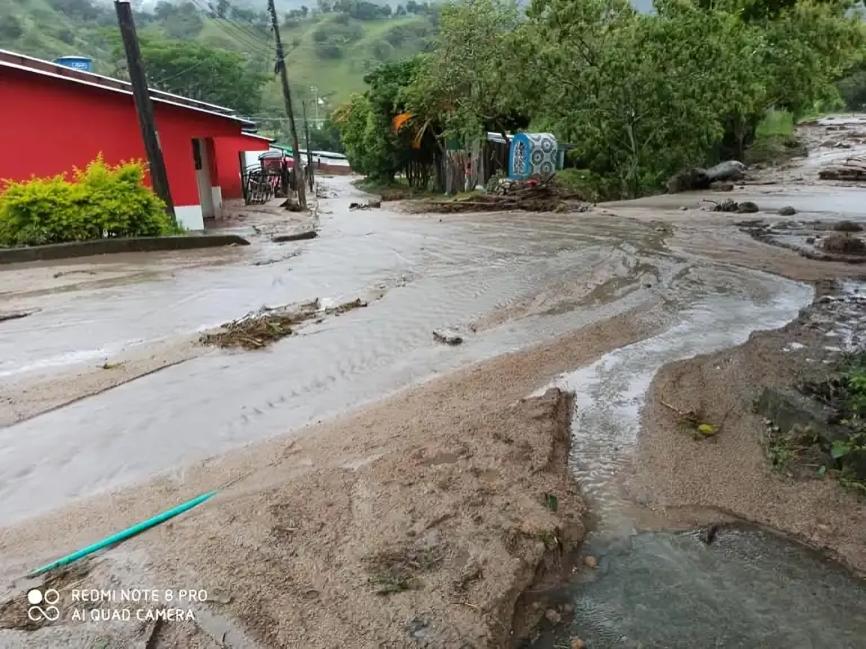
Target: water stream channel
{"points": [[668, 589]]}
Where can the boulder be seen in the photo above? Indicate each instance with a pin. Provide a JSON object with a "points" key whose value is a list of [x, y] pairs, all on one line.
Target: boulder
{"points": [[728, 170], [787, 409], [698, 178]]}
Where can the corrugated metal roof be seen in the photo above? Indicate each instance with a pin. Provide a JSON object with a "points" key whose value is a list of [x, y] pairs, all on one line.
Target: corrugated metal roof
{"points": [[46, 68]]}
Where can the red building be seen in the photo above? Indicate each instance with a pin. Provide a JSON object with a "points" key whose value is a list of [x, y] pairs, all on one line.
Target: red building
{"points": [[54, 118]]}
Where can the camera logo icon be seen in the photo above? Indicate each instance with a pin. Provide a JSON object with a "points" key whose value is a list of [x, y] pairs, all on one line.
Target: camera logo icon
{"points": [[42, 605]]}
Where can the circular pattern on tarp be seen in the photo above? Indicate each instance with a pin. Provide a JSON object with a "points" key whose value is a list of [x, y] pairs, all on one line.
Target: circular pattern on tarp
{"points": [[536, 155], [547, 167]]}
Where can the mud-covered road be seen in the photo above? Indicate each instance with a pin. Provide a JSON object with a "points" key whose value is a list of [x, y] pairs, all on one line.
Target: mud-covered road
{"points": [[516, 279], [103, 387]]}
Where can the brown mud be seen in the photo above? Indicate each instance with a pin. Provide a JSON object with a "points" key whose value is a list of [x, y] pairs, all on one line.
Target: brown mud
{"points": [[426, 528], [420, 520], [42, 392], [731, 472], [837, 241]]}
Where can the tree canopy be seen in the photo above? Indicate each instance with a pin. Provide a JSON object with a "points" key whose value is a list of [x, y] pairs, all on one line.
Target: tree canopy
{"points": [[200, 72], [639, 95]]}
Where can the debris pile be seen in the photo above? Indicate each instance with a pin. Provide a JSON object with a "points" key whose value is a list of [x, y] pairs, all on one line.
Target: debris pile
{"points": [[534, 195], [261, 328], [852, 169], [844, 244], [447, 336], [847, 226], [728, 205], [819, 240], [373, 203]]}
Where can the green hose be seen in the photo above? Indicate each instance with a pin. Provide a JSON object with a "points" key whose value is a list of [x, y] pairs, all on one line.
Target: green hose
{"points": [[122, 536]]}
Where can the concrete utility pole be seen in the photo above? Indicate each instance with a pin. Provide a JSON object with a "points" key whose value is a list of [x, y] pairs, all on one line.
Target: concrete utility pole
{"points": [[290, 113], [143, 104], [310, 177], [315, 92]]}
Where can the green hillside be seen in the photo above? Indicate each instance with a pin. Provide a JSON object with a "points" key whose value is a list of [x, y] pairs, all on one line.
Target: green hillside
{"points": [[330, 50], [336, 67]]}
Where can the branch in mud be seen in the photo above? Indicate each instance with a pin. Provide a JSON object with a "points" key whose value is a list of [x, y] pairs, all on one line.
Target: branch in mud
{"points": [[261, 328], [694, 420]]}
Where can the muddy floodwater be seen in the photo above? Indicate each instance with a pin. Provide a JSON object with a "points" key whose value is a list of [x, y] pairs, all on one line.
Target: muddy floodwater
{"points": [[503, 282], [545, 274], [748, 589]]}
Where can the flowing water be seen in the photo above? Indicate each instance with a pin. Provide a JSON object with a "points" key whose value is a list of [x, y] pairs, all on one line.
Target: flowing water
{"points": [[750, 589], [523, 278], [655, 589]]}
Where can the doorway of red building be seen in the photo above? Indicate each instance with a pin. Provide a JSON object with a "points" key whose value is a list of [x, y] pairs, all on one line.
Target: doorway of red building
{"points": [[210, 195]]}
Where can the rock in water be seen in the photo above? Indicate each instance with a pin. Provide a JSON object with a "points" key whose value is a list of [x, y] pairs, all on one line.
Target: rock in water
{"points": [[747, 207], [447, 336], [688, 180], [697, 178], [728, 170]]}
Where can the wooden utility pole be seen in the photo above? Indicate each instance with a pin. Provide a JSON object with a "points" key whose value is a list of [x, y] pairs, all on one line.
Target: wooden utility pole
{"points": [[310, 177], [290, 113], [143, 104]]}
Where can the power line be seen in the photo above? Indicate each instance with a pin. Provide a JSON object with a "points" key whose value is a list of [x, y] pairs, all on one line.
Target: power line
{"points": [[235, 30], [181, 73], [237, 34]]}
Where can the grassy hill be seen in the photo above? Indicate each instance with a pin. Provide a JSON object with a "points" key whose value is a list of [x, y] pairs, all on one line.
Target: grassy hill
{"points": [[330, 51], [336, 66]]}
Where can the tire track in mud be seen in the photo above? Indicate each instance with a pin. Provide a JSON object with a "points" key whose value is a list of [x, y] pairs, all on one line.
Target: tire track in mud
{"points": [[216, 402]]}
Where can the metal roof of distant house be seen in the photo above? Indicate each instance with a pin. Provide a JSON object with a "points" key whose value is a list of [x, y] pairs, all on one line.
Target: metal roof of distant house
{"points": [[48, 69], [321, 154]]}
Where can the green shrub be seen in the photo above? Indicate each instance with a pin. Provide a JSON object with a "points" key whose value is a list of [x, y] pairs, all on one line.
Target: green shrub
{"points": [[100, 201], [328, 50]]}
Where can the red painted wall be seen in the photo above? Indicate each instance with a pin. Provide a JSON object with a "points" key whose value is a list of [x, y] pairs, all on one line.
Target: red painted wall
{"points": [[229, 164], [48, 126]]}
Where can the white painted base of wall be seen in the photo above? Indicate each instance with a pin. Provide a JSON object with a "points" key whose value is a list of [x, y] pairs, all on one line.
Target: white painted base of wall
{"points": [[217, 196], [190, 217]]}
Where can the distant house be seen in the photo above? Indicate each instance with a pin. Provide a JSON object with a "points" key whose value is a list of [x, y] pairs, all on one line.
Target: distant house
{"points": [[76, 115], [323, 161]]}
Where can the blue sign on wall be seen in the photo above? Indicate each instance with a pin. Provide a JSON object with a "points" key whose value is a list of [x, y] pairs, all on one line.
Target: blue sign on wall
{"points": [[76, 63]]}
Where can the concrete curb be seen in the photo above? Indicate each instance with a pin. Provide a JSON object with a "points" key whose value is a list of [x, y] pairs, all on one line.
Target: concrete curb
{"points": [[115, 246]]}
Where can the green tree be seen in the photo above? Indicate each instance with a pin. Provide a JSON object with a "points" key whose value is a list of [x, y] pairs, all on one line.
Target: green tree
{"points": [[200, 72], [327, 138], [475, 77], [642, 96], [351, 118], [366, 121]]}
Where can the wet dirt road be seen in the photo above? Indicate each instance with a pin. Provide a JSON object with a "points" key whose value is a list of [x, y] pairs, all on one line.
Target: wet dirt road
{"points": [[543, 274], [504, 281]]}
